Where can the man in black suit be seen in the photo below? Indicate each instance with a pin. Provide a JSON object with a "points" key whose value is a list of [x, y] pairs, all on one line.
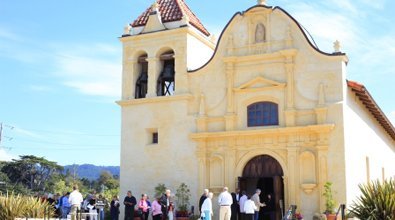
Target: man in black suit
{"points": [[235, 207]]}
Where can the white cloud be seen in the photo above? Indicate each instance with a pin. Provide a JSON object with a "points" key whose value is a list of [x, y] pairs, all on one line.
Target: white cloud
{"points": [[327, 25], [6, 34], [91, 74], [5, 156], [26, 133]]}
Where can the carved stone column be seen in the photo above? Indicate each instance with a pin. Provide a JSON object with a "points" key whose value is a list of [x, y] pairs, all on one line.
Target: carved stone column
{"points": [[230, 114], [202, 160], [230, 164], [201, 120], [322, 153], [290, 113], [293, 176], [153, 74]]}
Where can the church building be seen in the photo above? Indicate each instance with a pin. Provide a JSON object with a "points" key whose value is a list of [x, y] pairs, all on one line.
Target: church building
{"points": [[261, 107]]}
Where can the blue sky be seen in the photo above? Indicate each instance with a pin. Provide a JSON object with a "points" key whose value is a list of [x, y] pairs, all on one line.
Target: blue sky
{"points": [[60, 65]]}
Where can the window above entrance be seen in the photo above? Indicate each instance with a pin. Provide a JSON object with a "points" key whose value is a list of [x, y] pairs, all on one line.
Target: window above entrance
{"points": [[262, 114]]}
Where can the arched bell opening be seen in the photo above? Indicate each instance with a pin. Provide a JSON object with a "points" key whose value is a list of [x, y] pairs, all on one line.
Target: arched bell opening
{"points": [[142, 80], [166, 79]]}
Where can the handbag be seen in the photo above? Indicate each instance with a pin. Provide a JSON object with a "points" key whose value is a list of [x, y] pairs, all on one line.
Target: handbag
{"points": [[139, 212]]}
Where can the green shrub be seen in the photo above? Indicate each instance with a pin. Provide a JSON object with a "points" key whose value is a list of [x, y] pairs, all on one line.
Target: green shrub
{"points": [[16, 206], [377, 201]]}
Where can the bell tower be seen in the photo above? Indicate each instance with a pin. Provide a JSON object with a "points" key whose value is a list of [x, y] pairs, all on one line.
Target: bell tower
{"points": [[159, 48]]}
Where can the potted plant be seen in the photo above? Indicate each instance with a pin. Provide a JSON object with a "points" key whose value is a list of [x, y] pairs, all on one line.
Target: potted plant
{"points": [[330, 203], [160, 189], [183, 195]]}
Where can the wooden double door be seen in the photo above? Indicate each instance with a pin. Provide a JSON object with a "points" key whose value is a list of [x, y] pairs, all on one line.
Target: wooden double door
{"points": [[265, 173]]}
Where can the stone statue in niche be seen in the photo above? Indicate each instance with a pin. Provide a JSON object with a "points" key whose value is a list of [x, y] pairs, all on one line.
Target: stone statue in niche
{"points": [[260, 33]]}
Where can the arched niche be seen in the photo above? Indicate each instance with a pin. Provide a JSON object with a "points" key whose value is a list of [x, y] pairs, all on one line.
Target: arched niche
{"points": [[308, 175], [260, 33], [216, 172]]}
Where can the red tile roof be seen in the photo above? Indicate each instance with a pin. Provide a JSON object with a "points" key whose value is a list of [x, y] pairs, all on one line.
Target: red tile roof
{"points": [[367, 100], [172, 10]]}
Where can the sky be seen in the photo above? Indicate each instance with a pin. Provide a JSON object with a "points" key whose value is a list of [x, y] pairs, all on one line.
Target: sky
{"points": [[60, 65]]}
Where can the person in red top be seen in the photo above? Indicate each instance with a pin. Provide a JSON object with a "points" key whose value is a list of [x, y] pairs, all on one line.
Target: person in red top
{"points": [[143, 206]]}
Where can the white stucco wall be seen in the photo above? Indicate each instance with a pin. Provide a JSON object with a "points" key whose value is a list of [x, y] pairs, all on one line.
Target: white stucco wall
{"points": [[198, 52], [365, 138]]}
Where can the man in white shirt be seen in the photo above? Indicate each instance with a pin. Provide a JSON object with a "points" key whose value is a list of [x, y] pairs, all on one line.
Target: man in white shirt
{"points": [[243, 199], [225, 200], [249, 209], [258, 203], [75, 200]]}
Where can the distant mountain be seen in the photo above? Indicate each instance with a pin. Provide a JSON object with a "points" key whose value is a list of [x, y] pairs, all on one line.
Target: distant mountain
{"points": [[90, 171]]}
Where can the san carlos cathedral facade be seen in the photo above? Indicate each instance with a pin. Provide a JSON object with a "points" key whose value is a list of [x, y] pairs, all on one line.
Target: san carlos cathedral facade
{"points": [[262, 107]]}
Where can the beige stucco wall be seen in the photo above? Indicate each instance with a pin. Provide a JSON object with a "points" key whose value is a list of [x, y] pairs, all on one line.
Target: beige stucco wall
{"points": [[365, 140]]}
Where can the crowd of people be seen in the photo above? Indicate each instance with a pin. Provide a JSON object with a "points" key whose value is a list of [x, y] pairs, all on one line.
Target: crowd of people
{"points": [[92, 205], [161, 208], [233, 206], [237, 205]]}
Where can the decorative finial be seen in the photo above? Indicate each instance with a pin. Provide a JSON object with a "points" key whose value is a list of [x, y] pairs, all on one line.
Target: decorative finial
{"points": [[126, 29], [336, 46], [185, 19], [261, 2], [155, 6]]}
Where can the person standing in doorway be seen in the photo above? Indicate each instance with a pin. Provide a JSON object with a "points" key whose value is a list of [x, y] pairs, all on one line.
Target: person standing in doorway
{"points": [[249, 209], [257, 202], [75, 200], [129, 202], [242, 200], [225, 200], [270, 208]]}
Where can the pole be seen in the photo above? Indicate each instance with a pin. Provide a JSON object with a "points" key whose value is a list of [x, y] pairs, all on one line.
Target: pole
{"points": [[1, 131]]}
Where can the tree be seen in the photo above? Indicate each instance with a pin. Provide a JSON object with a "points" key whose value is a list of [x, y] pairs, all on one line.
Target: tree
{"points": [[107, 180], [31, 171]]}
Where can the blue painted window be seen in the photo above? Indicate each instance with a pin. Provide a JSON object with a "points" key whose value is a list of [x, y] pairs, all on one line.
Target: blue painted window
{"points": [[262, 114]]}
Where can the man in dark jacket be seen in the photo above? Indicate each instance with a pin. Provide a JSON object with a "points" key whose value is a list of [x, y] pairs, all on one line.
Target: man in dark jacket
{"points": [[269, 211], [129, 202], [165, 202], [202, 198]]}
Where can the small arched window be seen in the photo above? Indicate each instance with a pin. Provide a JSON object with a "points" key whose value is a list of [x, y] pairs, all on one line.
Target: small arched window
{"points": [[262, 114], [142, 80], [260, 33]]}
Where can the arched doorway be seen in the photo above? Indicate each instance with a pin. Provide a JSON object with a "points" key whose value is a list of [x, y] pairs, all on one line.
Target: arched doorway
{"points": [[264, 172]]}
